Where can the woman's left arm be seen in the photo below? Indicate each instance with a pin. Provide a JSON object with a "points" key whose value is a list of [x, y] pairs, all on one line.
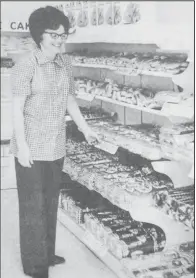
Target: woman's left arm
{"points": [[77, 117], [75, 113]]}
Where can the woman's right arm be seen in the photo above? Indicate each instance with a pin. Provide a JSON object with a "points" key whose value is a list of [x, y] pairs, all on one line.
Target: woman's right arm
{"points": [[24, 156], [21, 77]]}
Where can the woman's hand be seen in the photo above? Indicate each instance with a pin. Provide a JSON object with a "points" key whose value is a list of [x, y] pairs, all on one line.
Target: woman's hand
{"points": [[24, 156], [91, 137]]}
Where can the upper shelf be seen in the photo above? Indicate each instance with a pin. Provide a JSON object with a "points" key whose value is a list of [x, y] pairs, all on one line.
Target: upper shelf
{"points": [[135, 36], [132, 33]]}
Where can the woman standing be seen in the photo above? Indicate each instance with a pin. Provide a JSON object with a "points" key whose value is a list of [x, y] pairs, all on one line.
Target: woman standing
{"points": [[43, 89]]}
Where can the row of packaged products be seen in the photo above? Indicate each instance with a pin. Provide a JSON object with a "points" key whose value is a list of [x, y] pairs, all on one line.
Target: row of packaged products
{"points": [[109, 169], [176, 262], [118, 176], [138, 245], [178, 204], [113, 227], [122, 61], [96, 14], [135, 96], [178, 138], [134, 62]]}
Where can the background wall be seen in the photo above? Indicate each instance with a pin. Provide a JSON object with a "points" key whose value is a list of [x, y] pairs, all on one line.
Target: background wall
{"points": [[171, 23], [163, 12], [174, 12]]}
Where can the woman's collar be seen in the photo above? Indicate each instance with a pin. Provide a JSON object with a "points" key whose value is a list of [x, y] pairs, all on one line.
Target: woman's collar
{"points": [[43, 59]]}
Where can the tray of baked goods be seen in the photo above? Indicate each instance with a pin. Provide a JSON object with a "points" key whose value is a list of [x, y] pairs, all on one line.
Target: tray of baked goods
{"points": [[139, 139], [178, 141], [138, 246], [177, 203], [139, 97], [176, 262], [118, 178], [133, 62], [110, 225], [106, 174], [175, 142]]}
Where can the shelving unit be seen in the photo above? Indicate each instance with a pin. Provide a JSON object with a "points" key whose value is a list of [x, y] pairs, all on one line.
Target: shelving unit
{"points": [[141, 205], [135, 198]]}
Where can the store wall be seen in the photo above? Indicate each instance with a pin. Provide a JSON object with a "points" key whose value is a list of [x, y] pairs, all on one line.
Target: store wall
{"points": [[175, 12], [169, 24], [19, 12], [175, 24]]}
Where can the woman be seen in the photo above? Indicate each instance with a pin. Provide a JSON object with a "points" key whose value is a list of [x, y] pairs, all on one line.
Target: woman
{"points": [[43, 88]]}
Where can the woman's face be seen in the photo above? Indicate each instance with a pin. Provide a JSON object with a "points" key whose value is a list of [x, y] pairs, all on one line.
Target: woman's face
{"points": [[54, 40]]}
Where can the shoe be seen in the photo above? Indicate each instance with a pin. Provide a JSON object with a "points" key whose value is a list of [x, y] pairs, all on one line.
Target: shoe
{"points": [[57, 260], [40, 275]]}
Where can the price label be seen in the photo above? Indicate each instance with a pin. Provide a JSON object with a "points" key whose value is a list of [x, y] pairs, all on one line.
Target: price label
{"points": [[87, 97], [178, 110], [107, 147]]}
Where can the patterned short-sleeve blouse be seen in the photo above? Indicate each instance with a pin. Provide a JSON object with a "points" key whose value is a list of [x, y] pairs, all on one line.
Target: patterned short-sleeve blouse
{"points": [[46, 85]]}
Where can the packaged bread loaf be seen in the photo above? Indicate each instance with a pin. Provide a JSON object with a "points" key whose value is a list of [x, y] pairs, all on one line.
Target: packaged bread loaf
{"points": [[82, 20], [132, 13]]}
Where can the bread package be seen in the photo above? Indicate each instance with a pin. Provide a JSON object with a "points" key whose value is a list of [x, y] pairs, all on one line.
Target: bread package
{"points": [[132, 14], [113, 15], [82, 20], [97, 16]]}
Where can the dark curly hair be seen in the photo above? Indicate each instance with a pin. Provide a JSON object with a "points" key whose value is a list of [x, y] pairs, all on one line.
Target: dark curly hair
{"points": [[46, 18]]}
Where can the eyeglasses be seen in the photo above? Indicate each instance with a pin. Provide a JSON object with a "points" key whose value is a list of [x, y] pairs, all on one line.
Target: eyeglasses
{"points": [[55, 36]]}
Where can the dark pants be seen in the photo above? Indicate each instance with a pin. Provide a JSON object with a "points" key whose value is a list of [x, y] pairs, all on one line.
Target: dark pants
{"points": [[38, 193]]}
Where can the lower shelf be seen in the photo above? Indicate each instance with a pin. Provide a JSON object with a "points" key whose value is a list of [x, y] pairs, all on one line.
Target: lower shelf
{"points": [[174, 262], [89, 240]]}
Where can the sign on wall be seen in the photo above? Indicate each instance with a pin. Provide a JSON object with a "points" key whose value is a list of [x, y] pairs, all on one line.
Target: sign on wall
{"points": [[85, 13], [88, 13]]}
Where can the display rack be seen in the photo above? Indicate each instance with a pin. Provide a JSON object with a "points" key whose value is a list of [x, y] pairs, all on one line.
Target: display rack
{"points": [[137, 198], [142, 207], [131, 114]]}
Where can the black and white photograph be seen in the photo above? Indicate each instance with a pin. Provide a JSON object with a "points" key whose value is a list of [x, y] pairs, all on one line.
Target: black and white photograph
{"points": [[97, 139]]}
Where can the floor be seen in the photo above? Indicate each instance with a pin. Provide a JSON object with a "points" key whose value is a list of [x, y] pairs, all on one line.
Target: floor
{"points": [[67, 245]]}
